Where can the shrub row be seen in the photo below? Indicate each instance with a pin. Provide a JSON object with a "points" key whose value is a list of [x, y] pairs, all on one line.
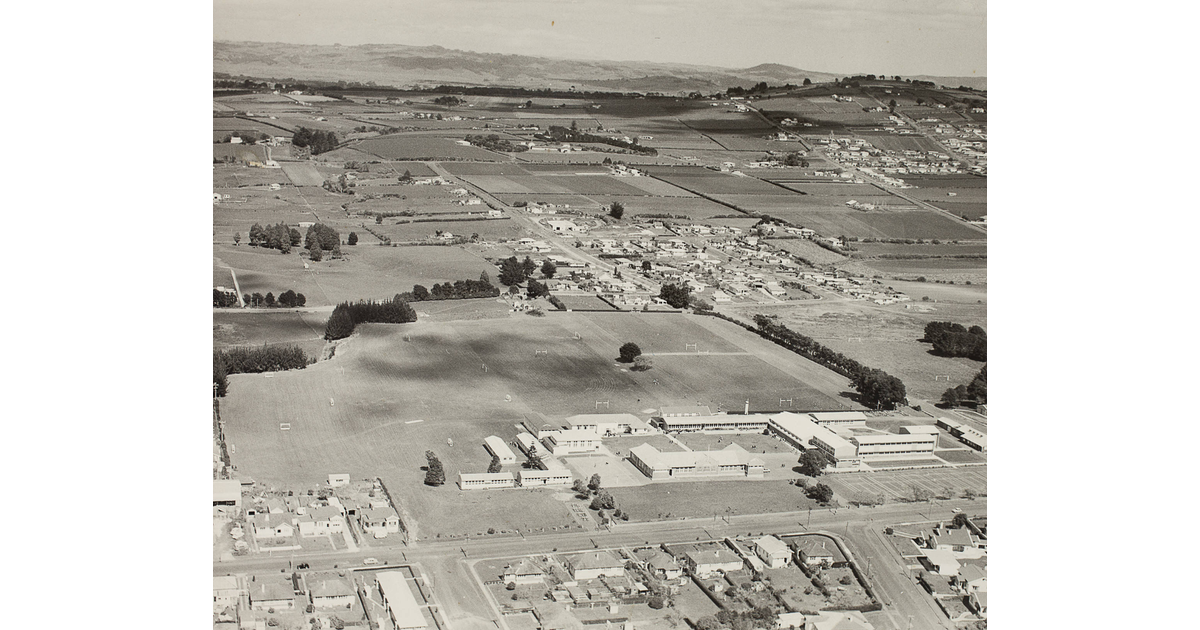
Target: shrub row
{"points": [[255, 361]]}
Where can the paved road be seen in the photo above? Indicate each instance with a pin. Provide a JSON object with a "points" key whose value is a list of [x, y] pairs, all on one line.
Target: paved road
{"points": [[463, 603]]}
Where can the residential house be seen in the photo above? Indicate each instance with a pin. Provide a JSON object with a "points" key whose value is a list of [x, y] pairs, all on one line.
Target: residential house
{"points": [[706, 562], [951, 539], [663, 565], [593, 564], [838, 620], [272, 592], [378, 521], [402, 607], [226, 592], [321, 521], [977, 602], [972, 578], [273, 526], [329, 590], [818, 550], [774, 552], [527, 572], [936, 585]]}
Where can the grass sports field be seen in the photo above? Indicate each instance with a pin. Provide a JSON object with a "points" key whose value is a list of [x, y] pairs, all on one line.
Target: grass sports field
{"points": [[393, 399], [899, 484]]}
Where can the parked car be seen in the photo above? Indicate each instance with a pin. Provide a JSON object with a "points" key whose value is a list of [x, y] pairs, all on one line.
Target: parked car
{"points": [[371, 561]]}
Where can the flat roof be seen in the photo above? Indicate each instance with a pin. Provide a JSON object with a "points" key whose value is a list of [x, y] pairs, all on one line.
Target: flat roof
{"points": [[805, 429], [893, 438], [498, 447], [710, 419], [400, 600], [485, 476], [676, 410], [732, 455], [574, 435], [601, 418], [227, 490], [838, 416], [919, 429]]}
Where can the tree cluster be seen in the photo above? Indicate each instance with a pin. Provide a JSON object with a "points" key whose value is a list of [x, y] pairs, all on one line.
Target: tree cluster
{"points": [[955, 340], [813, 462], [496, 143], [449, 101], [676, 295], [973, 394], [628, 352], [254, 361], [278, 236], [316, 140], [616, 210], [535, 289], [794, 159], [513, 271], [757, 617], [563, 134], [877, 389], [820, 492], [224, 299], [287, 299], [322, 236], [347, 315], [435, 475]]}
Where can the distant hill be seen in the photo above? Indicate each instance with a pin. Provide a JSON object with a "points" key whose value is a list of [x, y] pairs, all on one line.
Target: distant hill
{"points": [[418, 66], [410, 66]]}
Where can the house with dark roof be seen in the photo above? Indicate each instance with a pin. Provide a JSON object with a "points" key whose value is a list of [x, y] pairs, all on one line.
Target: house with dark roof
{"points": [[817, 550], [272, 592], [705, 562], [662, 565], [330, 590], [526, 572]]}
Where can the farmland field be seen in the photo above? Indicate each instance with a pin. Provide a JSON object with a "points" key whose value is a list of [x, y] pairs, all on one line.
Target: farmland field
{"points": [[973, 211], [256, 327], [947, 181], [945, 249], [911, 224], [368, 272], [893, 142], [889, 338], [302, 174], [424, 148], [713, 183], [805, 249], [927, 265]]}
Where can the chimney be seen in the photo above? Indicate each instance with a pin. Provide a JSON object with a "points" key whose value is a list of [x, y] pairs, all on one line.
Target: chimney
{"points": [[747, 406]]}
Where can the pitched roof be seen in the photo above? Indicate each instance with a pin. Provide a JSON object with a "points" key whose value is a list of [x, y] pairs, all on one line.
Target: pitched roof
{"points": [[330, 588], [657, 559], [271, 590], [772, 545], [960, 536], [971, 572], [595, 560], [712, 556]]}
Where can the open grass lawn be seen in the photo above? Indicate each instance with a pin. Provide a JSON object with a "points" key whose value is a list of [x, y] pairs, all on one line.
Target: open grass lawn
{"points": [[228, 178], [971, 210], [807, 250], [947, 181], [405, 229], [256, 327], [928, 249], [382, 385], [368, 272], [962, 457], [620, 445], [898, 485], [892, 142], [585, 303], [695, 208], [704, 499], [753, 442]]}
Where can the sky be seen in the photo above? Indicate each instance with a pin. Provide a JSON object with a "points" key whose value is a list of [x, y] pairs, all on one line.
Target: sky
{"points": [[890, 37]]}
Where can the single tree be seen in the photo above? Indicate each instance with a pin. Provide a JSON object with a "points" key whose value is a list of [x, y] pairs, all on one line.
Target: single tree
{"points": [[642, 363], [256, 299], [813, 462], [580, 487], [646, 265], [594, 482], [535, 289], [603, 501], [352, 239], [807, 81], [528, 267], [314, 253], [549, 268], [821, 493], [533, 461], [616, 210], [960, 520], [237, 238], [511, 272], [299, 299], [629, 351], [495, 466], [270, 299]]}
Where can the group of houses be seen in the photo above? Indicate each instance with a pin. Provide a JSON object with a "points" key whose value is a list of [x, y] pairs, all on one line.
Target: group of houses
{"points": [[951, 564], [278, 518]]}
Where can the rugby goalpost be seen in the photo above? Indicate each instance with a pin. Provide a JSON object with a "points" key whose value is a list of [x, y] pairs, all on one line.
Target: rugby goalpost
{"points": [[602, 402], [690, 346], [938, 377], [540, 352]]}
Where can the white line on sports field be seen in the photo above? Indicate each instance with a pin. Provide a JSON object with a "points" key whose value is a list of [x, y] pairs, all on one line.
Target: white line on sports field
{"points": [[413, 421]]}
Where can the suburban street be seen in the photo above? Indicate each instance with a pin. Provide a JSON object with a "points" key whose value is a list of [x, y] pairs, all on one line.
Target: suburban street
{"points": [[464, 605]]}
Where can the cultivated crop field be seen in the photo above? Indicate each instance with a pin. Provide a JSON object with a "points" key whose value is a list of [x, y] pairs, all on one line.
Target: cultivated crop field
{"points": [[891, 142], [406, 230], [400, 147], [947, 181], [905, 224], [945, 249], [971, 210], [712, 183], [806, 249]]}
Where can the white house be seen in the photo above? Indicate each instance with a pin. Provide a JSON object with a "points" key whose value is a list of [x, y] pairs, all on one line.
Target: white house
{"points": [[320, 521], [706, 562], [774, 552], [330, 591], [524, 573], [379, 521]]}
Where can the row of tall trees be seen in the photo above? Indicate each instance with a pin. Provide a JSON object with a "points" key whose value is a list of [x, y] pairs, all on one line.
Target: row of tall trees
{"points": [[287, 299], [318, 141], [563, 134], [254, 361], [347, 315], [877, 389], [955, 340], [278, 236], [496, 143], [458, 290]]}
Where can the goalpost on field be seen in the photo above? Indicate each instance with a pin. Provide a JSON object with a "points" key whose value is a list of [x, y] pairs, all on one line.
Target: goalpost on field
{"points": [[690, 346], [540, 352], [602, 402], [578, 336], [938, 377], [785, 400], [285, 426]]}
